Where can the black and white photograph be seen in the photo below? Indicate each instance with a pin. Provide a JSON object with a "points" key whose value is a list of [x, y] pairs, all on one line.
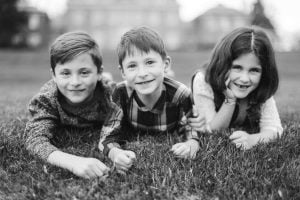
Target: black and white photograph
{"points": [[142, 100]]}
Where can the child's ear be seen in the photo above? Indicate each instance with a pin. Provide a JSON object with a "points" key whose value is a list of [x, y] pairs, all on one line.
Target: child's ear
{"points": [[167, 64], [122, 71]]}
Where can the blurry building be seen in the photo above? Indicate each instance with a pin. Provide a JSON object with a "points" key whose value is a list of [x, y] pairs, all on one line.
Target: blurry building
{"points": [[36, 32], [208, 28], [259, 18], [107, 20]]}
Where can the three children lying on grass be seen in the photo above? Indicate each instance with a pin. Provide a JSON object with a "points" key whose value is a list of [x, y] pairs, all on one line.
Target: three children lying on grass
{"points": [[235, 90]]}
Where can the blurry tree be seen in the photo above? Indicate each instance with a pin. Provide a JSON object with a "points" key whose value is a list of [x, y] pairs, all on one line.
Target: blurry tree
{"points": [[11, 21], [259, 18]]}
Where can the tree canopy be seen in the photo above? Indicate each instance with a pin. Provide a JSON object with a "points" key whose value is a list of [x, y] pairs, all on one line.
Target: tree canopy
{"points": [[11, 21], [259, 18]]}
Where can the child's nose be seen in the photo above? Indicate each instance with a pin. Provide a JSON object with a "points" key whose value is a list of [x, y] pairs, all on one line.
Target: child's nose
{"points": [[142, 71], [75, 80], [244, 77]]}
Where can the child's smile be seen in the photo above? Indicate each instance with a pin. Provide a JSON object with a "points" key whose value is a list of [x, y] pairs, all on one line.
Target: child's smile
{"points": [[145, 82], [242, 86]]}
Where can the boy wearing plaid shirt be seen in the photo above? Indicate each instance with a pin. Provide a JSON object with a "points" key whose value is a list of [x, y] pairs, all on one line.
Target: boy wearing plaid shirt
{"points": [[148, 101]]}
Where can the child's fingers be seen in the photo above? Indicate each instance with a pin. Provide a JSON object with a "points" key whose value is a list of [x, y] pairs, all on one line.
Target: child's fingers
{"points": [[183, 120], [123, 166], [238, 140], [181, 150], [227, 82], [175, 146], [197, 122], [131, 155], [195, 111], [124, 160], [121, 170], [98, 171], [104, 169], [227, 78], [235, 135]]}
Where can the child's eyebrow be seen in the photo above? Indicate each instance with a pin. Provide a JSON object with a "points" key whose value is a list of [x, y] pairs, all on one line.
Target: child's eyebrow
{"points": [[236, 65], [84, 68], [130, 62]]}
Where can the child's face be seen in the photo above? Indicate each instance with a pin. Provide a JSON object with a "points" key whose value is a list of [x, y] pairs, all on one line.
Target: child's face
{"points": [[245, 75], [145, 72], [77, 79]]}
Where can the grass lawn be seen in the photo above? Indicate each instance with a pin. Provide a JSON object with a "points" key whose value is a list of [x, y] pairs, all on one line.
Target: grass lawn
{"points": [[220, 171]]}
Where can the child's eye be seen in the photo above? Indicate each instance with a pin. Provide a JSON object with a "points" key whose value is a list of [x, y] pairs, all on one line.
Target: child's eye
{"points": [[149, 62], [255, 70], [65, 73], [85, 72], [132, 66]]}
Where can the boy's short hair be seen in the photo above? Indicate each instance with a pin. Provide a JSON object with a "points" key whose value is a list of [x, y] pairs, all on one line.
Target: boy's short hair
{"points": [[71, 44], [142, 38]]}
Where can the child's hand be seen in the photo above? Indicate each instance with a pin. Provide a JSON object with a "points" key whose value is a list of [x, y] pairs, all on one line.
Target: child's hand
{"points": [[197, 121], [243, 140], [229, 95], [122, 159], [88, 167], [186, 149]]}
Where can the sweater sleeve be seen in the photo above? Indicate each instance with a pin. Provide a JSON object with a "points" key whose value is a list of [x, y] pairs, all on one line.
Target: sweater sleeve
{"points": [[41, 127], [203, 97], [186, 105], [111, 132], [270, 119]]}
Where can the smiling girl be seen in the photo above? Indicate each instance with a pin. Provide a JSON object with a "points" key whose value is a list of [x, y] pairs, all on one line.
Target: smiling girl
{"points": [[236, 88]]}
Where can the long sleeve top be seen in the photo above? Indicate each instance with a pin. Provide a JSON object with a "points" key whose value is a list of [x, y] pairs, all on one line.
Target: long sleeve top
{"points": [[204, 101], [50, 111]]}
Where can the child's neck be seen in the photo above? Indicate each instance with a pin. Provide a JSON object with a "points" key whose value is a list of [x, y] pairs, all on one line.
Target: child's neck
{"points": [[150, 100]]}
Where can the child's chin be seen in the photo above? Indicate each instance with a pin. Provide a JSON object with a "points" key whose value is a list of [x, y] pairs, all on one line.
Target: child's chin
{"points": [[145, 91], [75, 101], [241, 96]]}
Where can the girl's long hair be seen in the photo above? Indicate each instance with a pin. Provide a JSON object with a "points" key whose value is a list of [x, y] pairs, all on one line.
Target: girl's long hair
{"points": [[242, 41]]}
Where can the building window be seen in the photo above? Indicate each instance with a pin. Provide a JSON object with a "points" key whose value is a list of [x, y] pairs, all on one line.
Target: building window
{"points": [[34, 39], [34, 22]]}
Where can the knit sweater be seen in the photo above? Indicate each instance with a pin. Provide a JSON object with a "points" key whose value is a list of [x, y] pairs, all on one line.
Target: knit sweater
{"points": [[50, 111]]}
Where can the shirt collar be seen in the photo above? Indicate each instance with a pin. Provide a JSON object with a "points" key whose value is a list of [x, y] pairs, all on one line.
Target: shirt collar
{"points": [[159, 105]]}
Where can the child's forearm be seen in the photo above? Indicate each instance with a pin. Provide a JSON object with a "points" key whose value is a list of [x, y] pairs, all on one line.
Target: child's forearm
{"points": [[61, 159], [223, 117]]}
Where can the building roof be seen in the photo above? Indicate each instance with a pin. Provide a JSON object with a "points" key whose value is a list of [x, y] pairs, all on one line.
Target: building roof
{"points": [[221, 10]]}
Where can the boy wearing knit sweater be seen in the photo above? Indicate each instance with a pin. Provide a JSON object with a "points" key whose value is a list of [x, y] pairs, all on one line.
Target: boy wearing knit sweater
{"points": [[75, 97]]}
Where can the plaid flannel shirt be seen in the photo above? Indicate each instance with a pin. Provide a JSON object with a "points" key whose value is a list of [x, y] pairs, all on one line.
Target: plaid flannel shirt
{"points": [[131, 115]]}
